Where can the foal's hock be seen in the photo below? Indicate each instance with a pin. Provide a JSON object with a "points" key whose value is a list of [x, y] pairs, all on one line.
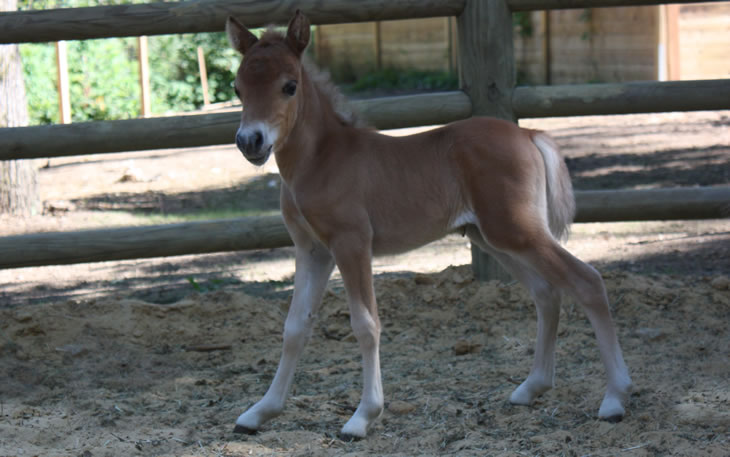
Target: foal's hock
{"points": [[349, 193]]}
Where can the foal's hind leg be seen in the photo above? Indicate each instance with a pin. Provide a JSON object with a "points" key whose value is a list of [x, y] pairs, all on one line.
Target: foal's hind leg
{"points": [[547, 303], [314, 265], [586, 286], [534, 247]]}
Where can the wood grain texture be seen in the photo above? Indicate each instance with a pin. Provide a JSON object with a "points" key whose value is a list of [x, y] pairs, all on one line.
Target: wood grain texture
{"points": [[621, 98], [208, 129], [203, 16], [653, 204], [487, 75], [487, 57], [269, 232], [62, 248], [532, 5]]}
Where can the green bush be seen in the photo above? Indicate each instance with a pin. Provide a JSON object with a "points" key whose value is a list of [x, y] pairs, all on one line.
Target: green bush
{"points": [[175, 76], [104, 73], [103, 80], [39, 67], [104, 76]]}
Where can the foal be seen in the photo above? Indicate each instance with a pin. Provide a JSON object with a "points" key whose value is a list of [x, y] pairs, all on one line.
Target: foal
{"points": [[349, 193]]}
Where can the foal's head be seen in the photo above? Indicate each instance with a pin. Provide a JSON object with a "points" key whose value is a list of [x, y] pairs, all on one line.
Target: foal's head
{"points": [[266, 83]]}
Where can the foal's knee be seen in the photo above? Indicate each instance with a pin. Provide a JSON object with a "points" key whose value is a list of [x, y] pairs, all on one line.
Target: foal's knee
{"points": [[591, 290], [544, 294], [365, 328], [297, 332]]}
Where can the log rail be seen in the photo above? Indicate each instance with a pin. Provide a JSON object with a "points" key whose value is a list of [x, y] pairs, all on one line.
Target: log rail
{"points": [[266, 232], [197, 16]]}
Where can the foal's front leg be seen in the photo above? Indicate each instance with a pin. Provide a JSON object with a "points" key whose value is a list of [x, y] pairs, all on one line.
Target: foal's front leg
{"points": [[314, 265], [353, 257]]}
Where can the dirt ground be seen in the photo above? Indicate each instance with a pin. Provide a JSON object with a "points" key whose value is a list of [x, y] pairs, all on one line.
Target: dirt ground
{"points": [[159, 356]]}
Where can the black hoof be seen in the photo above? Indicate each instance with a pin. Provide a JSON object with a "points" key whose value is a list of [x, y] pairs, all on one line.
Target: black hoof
{"points": [[244, 430], [614, 419], [348, 438]]}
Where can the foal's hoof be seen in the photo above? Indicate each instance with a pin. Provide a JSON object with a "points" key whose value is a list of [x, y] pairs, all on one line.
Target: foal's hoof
{"points": [[615, 419], [349, 438], [244, 430]]}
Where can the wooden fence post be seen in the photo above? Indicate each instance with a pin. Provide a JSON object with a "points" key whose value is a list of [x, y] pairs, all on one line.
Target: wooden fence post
{"points": [[546, 48], [64, 97], [144, 77], [488, 77], [203, 76], [672, 43]]}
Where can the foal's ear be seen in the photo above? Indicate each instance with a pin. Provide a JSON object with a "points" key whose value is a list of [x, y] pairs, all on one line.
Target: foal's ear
{"points": [[297, 36], [239, 36]]}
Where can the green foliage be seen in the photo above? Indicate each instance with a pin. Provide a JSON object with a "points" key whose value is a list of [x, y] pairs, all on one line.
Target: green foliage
{"points": [[39, 66], [103, 79], [174, 72], [390, 79], [104, 74]]}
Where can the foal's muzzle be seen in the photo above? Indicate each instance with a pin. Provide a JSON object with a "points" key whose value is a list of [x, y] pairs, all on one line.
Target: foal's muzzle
{"points": [[254, 145]]}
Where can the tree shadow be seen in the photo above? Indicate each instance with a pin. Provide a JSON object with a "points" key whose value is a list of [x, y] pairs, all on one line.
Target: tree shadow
{"points": [[679, 167], [671, 168], [159, 282], [258, 194], [709, 257], [178, 277]]}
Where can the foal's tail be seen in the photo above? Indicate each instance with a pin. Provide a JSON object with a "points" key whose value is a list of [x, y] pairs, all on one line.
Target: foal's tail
{"points": [[560, 199]]}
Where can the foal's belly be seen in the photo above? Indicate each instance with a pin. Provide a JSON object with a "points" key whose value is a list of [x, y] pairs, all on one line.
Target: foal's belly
{"points": [[398, 236]]}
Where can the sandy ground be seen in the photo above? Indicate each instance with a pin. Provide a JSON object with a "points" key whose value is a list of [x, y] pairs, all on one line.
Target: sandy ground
{"points": [[159, 356]]}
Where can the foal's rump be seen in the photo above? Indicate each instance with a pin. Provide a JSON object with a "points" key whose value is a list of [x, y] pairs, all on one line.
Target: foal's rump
{"points": [[515, 181]]}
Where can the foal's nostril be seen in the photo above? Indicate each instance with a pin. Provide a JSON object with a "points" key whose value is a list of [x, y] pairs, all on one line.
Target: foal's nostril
{"points": [[258, 140]]}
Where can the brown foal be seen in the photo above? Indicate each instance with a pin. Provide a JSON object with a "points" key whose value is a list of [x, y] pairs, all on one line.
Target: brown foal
{"points": [[349, 193]]}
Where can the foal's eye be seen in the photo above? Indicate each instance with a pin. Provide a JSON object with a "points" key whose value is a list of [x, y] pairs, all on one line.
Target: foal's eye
{"points": [[290, 88]]}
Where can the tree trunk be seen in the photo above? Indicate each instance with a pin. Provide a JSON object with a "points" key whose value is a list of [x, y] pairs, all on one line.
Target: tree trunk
{"points": [[18, 178]]}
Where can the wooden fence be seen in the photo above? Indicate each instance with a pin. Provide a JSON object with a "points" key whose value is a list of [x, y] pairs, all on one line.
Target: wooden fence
{"points": [[488, 88]]}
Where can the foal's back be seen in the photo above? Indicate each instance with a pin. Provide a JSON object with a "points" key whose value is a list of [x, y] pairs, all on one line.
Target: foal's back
{"points": [[416, 188]]}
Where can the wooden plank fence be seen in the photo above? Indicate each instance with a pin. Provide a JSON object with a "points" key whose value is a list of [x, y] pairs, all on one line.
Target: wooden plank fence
{"points": [[487, 89]]}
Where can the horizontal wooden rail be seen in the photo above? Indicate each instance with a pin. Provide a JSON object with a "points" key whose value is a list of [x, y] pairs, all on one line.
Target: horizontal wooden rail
{"points": [[269, 232], [621, 98], [62, 248], [387, 112], [208, 129], [532, 5], [203, 16], [209, 16], [653, 204]]}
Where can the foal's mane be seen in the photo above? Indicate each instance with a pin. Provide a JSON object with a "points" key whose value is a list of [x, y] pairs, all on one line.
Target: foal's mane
{"points": [[323, 83]]}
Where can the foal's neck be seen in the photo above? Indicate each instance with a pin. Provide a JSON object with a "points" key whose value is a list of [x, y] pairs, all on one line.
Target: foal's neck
{"points": [[316, 119]]}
